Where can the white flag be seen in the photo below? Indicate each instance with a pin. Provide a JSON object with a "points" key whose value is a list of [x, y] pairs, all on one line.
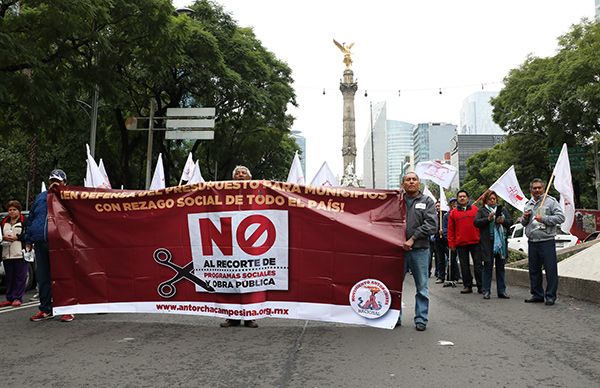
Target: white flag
{"points": [[440, 173], [103, 171], [507, 187], [188, 169], [563, 183], [93, 176], [324, 177], [443, 202], [43, 187], [158, 179], [296, 175], [196, 175], [428, 193]]}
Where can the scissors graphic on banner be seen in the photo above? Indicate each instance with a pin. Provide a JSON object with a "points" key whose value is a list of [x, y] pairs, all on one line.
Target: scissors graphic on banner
{"points": [[167, 289]]}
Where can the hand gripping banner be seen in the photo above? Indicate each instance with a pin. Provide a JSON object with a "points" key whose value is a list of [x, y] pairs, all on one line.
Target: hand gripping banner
{"points": [[234, 249]]}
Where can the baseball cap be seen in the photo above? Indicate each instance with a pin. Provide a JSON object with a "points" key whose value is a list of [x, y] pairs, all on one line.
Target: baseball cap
{"points": [[452, 200], [58, 175]]}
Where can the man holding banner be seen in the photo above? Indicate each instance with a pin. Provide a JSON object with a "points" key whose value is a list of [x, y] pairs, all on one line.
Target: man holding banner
{"points": [[540, 219], [240, 173], [421, 223]]}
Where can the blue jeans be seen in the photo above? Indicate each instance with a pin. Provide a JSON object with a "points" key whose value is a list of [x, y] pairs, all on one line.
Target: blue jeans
{"points": [[417, 261], [500, 275], [543, 253]]}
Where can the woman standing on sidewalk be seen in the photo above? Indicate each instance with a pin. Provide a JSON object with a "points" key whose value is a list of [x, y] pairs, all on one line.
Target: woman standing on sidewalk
{"points": [[15, 266], [493, 222]]}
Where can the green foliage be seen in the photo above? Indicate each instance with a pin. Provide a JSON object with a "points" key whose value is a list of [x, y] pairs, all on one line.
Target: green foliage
{"points": [[54, 54], [547, 102]]}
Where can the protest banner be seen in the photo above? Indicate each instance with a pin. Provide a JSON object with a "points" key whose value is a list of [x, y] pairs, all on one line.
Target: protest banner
{"points": [[232, 249]]}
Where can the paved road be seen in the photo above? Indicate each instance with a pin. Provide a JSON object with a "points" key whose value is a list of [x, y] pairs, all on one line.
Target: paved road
{"points": [[497, 343]]}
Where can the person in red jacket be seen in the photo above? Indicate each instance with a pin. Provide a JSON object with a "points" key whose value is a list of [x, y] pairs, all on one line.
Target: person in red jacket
{"points": [[463, 236]]}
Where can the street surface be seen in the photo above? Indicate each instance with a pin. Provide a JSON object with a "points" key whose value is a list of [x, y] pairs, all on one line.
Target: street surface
{"points": [[497, 343]]}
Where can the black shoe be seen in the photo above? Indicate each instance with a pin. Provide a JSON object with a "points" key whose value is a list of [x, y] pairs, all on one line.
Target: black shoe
{"points": [[549, 302], [503, 296], [534, 300], [420, 326], [251, 323], [479, 290], [230, 323], [466, 290], [486, 295]]}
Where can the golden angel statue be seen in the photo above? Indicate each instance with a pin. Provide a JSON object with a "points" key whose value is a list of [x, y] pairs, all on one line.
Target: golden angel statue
{"points": [[345, 49]]}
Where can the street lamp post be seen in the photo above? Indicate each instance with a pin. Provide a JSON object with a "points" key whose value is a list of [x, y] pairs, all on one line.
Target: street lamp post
{"points": [[372, 144], [94, 120], [149, 147]]}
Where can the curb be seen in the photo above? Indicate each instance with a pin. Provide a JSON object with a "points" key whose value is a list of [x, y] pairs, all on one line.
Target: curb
{"points": [[584, 289]]}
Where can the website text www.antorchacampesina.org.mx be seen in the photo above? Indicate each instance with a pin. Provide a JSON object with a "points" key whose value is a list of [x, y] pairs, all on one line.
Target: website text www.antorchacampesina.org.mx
{"points": [[223, 311]]}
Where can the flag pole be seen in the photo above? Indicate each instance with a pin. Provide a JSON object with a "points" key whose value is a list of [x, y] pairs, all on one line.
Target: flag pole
{"points": [[441, 233], [481, 196], [547, 188]]}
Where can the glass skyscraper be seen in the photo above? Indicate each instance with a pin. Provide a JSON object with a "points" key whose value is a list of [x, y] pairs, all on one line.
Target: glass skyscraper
{"points": [[392, 142]]}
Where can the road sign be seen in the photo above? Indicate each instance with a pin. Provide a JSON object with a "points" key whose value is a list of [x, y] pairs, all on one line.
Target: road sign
{"points": [[189, 134], [182, 123], [190, 123], [577, 157], [191, 112]]}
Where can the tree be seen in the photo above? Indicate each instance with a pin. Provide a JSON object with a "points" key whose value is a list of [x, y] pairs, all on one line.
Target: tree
{"points": [[550, 101], [52, 57]]}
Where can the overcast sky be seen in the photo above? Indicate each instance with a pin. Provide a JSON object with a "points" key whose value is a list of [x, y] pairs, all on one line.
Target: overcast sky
{"points": [[416, 47]]}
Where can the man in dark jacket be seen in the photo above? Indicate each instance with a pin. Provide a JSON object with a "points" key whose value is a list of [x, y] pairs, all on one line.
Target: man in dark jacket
{"points": [[37, 234], [421, 223]]}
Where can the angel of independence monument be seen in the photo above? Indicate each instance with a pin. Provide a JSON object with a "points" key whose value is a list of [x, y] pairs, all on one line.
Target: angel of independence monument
{"points": [[348, 88]]}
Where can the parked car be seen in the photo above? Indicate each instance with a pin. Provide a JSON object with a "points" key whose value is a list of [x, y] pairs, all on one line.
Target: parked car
{"points": [[517, 239]]}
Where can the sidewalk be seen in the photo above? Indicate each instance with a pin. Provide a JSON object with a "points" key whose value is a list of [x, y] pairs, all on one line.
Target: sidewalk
{"points": [[579, 275]]}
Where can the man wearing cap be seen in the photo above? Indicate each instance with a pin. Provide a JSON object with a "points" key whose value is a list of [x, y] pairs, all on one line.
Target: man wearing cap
{"points": [[37, 235]]}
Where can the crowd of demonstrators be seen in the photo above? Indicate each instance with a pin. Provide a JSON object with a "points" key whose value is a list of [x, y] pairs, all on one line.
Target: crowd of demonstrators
{"points": [[466, 231], [36, 237], [541, 218], [493, 222], [463, 236], [240, 173], [15, 266], [421, 223]]}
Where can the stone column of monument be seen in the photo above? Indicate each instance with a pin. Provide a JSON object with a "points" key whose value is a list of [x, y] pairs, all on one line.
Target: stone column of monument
{"points": [[348, 88]]}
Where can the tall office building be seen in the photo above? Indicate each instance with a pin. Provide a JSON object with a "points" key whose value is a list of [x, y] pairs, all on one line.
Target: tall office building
{"points": [[301, 141], [476, 115], [466, 145], [392, 143], [432, 140]]}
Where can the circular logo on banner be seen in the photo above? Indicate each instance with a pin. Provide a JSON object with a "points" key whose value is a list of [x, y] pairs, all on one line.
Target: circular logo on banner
{"points": [[370, 298]]}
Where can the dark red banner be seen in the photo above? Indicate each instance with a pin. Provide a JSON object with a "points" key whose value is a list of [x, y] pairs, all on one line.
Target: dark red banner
{"points": [[239, 249]]}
